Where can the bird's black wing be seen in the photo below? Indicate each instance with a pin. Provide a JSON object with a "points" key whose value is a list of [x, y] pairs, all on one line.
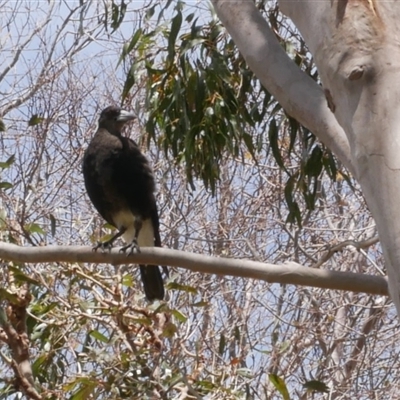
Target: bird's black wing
{"points": [[134, 179], [97, 167]]}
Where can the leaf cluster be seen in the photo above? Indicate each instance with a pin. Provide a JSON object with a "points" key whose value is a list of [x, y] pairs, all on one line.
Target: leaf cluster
{"points": [[203, 102], [205, 105]]}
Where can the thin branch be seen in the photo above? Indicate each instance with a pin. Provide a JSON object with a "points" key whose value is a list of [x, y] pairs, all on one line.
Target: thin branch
{"points": [[22, 46], [368, 325], [14, 327], [288, 273], [340, 246]]}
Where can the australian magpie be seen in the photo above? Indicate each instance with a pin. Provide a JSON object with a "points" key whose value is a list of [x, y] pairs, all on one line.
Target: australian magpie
{"points": [[120, 184]]}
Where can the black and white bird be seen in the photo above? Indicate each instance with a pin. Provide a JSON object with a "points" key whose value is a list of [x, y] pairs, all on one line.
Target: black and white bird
{"points": [[120, 184]]}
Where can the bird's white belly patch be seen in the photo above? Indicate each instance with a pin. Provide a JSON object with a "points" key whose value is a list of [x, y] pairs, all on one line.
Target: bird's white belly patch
{"points": [[126, 219]]}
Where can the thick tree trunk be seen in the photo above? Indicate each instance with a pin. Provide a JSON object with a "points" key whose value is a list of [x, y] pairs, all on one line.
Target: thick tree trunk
{"points": [[358, 58], [355, 45]]}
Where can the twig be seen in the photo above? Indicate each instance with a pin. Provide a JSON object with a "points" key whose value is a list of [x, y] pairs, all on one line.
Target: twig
{"points": [[340, 246]]}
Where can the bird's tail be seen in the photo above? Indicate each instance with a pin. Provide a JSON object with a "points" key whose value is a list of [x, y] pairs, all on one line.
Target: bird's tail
{"points": [[152, 282]]}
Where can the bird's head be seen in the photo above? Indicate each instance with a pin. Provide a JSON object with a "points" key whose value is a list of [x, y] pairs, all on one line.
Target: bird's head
{"points": [[114, 118]]}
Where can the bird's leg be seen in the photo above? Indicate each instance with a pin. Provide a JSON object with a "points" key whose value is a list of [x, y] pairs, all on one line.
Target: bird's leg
{"points": [[107, 245], [133, 247]]}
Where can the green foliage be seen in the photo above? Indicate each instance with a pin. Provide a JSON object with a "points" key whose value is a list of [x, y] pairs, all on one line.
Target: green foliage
{"points": [[202, 99], [34, 228], [180, 287], [3, 166], [304, 159], [205, 105], [114, 15], [53, 224], [280, 385], [316, 386], [7, 164], [35, 120], [5, 185], [91, 333]]}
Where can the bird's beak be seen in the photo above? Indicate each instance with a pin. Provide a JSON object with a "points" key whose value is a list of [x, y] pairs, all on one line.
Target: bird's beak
{"points": [[125, 116]]}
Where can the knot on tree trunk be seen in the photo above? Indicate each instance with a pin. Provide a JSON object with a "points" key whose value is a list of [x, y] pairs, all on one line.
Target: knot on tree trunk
{"points": [[356, 73]]}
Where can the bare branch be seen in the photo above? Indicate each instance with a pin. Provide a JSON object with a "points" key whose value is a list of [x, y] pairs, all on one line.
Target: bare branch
{"points": [[340, 246], [368, 325], [289, 273], [22, 46], [14, 327]]}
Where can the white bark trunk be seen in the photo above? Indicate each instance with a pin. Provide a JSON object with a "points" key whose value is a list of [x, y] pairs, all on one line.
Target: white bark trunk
{"points": [[357, 53], [355, 45]]}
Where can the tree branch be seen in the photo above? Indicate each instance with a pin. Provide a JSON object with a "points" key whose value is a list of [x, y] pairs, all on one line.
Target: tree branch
{"points": [[340, 246], [288, 273], [299, 95], [13, 324]]}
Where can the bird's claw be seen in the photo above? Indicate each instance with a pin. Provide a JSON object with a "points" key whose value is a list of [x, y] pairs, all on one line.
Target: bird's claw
{"points": [[130, 248], [103, 246]]}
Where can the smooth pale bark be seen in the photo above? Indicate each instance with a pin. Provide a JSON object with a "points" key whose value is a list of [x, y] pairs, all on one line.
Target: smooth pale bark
{"points": [[289, 273], [356, 48], [357, 53]]}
